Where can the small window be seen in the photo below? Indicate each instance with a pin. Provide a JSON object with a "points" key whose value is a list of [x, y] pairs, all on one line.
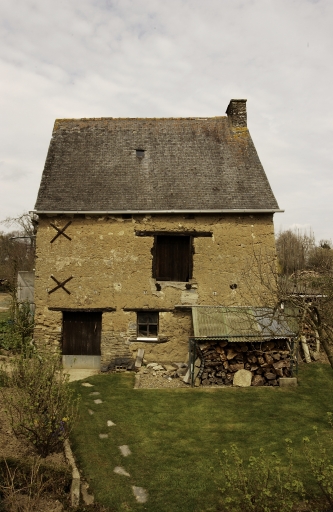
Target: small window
{"points": [[147, 324], [172, 258], [140, 153]]}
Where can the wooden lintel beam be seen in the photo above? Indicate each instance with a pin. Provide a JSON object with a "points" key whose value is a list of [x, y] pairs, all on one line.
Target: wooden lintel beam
{"points": [[174, 233]]}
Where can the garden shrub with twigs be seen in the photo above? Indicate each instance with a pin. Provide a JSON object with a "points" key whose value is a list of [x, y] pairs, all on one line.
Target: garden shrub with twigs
{"points": [[24, 484], [42, 407], [259, 484]]}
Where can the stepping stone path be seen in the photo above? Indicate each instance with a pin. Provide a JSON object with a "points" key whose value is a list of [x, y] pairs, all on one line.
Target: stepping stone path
{"points": [[125, 451], [120, 471], [140, 493]]}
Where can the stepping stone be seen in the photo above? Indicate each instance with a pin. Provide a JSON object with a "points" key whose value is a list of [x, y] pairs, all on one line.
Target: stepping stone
{"points": [[87, 498], [98, 401], [90, 411], [140, 494], [87, 384], [94, 393], [120, 471], [125, 451], [103, 436], [110, 423]]}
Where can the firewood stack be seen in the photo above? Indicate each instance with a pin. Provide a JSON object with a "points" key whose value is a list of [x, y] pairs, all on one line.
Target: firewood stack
{"points": [[267, 361]]}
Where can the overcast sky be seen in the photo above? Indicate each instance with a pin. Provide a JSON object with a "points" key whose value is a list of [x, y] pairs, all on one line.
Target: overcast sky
{"points": [[165, 58]]}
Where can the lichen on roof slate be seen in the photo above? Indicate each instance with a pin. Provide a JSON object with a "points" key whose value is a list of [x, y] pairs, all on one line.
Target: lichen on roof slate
{"points": [[188, 164]]}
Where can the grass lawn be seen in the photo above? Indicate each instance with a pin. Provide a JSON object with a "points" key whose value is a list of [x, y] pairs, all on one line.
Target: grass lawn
{"points": [[176, 435]]}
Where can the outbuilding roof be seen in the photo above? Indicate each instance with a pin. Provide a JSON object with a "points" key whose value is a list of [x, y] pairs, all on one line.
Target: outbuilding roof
{"points": [[237, 324], [154, 165]]}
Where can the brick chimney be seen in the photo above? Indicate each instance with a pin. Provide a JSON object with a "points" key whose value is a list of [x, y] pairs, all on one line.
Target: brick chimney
{"points": [[236, 112]]}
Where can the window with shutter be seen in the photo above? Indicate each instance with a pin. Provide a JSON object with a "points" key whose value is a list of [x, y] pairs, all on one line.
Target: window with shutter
{"points": [[172, 258]]}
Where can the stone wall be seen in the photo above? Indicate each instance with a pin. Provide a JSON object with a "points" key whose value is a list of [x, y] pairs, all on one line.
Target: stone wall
{"points": [[110, 266]]}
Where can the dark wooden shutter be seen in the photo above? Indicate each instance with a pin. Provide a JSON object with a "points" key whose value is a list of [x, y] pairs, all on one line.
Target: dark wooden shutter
{"points": [[82, 333], [173, 257]]}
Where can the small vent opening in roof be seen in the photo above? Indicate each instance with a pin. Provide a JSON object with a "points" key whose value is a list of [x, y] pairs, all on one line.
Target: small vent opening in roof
{"points": [[140, 153]]}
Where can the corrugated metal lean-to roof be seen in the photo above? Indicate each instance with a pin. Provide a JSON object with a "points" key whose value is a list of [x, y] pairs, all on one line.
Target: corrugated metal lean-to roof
{"points": [[239, 324]]}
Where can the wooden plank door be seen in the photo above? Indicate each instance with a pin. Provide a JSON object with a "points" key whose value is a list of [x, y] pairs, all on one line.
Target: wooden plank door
{"points": [[82, 333]]}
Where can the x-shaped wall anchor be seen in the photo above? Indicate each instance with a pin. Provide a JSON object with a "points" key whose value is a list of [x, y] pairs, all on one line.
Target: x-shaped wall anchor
{"points": [[60, 285], [61, 231]]}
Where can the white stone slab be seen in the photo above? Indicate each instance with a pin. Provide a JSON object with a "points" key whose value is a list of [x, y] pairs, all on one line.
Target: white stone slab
{"points": [[120, 471], [242, 378], [140, 494], [94, 393], [103, 436], [90, 412], [110, 423], [87, 385], [125, 451], [98, 401]]}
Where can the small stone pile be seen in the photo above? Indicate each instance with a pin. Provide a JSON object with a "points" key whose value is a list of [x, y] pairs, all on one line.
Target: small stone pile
{"points": [[169, 371], [218, 362], [161, 375]]}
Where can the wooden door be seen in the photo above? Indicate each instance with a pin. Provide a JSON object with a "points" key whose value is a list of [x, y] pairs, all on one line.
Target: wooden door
{"points": [[82, 333]]}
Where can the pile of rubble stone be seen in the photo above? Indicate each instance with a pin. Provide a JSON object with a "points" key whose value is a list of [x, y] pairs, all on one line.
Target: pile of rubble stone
{"points": [[169, 371]]}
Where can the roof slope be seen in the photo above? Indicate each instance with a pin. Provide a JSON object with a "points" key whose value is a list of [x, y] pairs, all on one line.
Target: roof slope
{"points": [[238, 324], [189, 164]]}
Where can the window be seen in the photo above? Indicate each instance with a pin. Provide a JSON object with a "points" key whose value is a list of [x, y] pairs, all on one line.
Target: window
{"points": [[172, 258], [140, 153], [147, 324]]}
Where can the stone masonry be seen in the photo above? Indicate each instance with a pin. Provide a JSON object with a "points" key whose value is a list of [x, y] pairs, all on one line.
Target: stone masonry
{"points": [[111, 267]]}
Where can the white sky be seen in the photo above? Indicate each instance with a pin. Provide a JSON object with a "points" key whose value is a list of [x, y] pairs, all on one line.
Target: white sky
{"points": [[154, 58]]}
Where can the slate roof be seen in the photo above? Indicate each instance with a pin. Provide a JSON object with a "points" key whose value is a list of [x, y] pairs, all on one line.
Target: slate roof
{"points": [[189, 164]]}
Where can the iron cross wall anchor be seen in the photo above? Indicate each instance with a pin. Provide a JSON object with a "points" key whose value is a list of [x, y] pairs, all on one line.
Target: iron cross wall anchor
{"points": [[60, 231], [60, 285]]}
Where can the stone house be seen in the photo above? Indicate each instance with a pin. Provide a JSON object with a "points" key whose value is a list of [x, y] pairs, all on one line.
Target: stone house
{"points": [[140, 220]]}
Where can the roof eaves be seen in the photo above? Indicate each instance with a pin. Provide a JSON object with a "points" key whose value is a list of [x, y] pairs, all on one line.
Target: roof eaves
{"points": [[112, 212]]}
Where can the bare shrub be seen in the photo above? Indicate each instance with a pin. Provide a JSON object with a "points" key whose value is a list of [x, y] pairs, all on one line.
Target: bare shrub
{"points": [[42, 407]]}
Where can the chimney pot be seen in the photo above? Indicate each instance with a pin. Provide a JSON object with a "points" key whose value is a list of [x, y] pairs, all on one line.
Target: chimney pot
{"points": [[236, 112]]}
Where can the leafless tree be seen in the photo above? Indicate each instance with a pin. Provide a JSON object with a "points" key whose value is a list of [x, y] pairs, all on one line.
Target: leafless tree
{"points": [[17, 248], [304, 296], [293, 249]]}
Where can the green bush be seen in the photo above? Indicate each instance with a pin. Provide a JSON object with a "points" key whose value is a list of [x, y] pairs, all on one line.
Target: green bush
{"points": [[318, 454], [42, 407], [16, 330], [260, 484], [4, 378]]}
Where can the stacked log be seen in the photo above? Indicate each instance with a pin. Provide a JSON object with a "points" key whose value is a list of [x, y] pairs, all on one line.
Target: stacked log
{"points": [[267, 361]]}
